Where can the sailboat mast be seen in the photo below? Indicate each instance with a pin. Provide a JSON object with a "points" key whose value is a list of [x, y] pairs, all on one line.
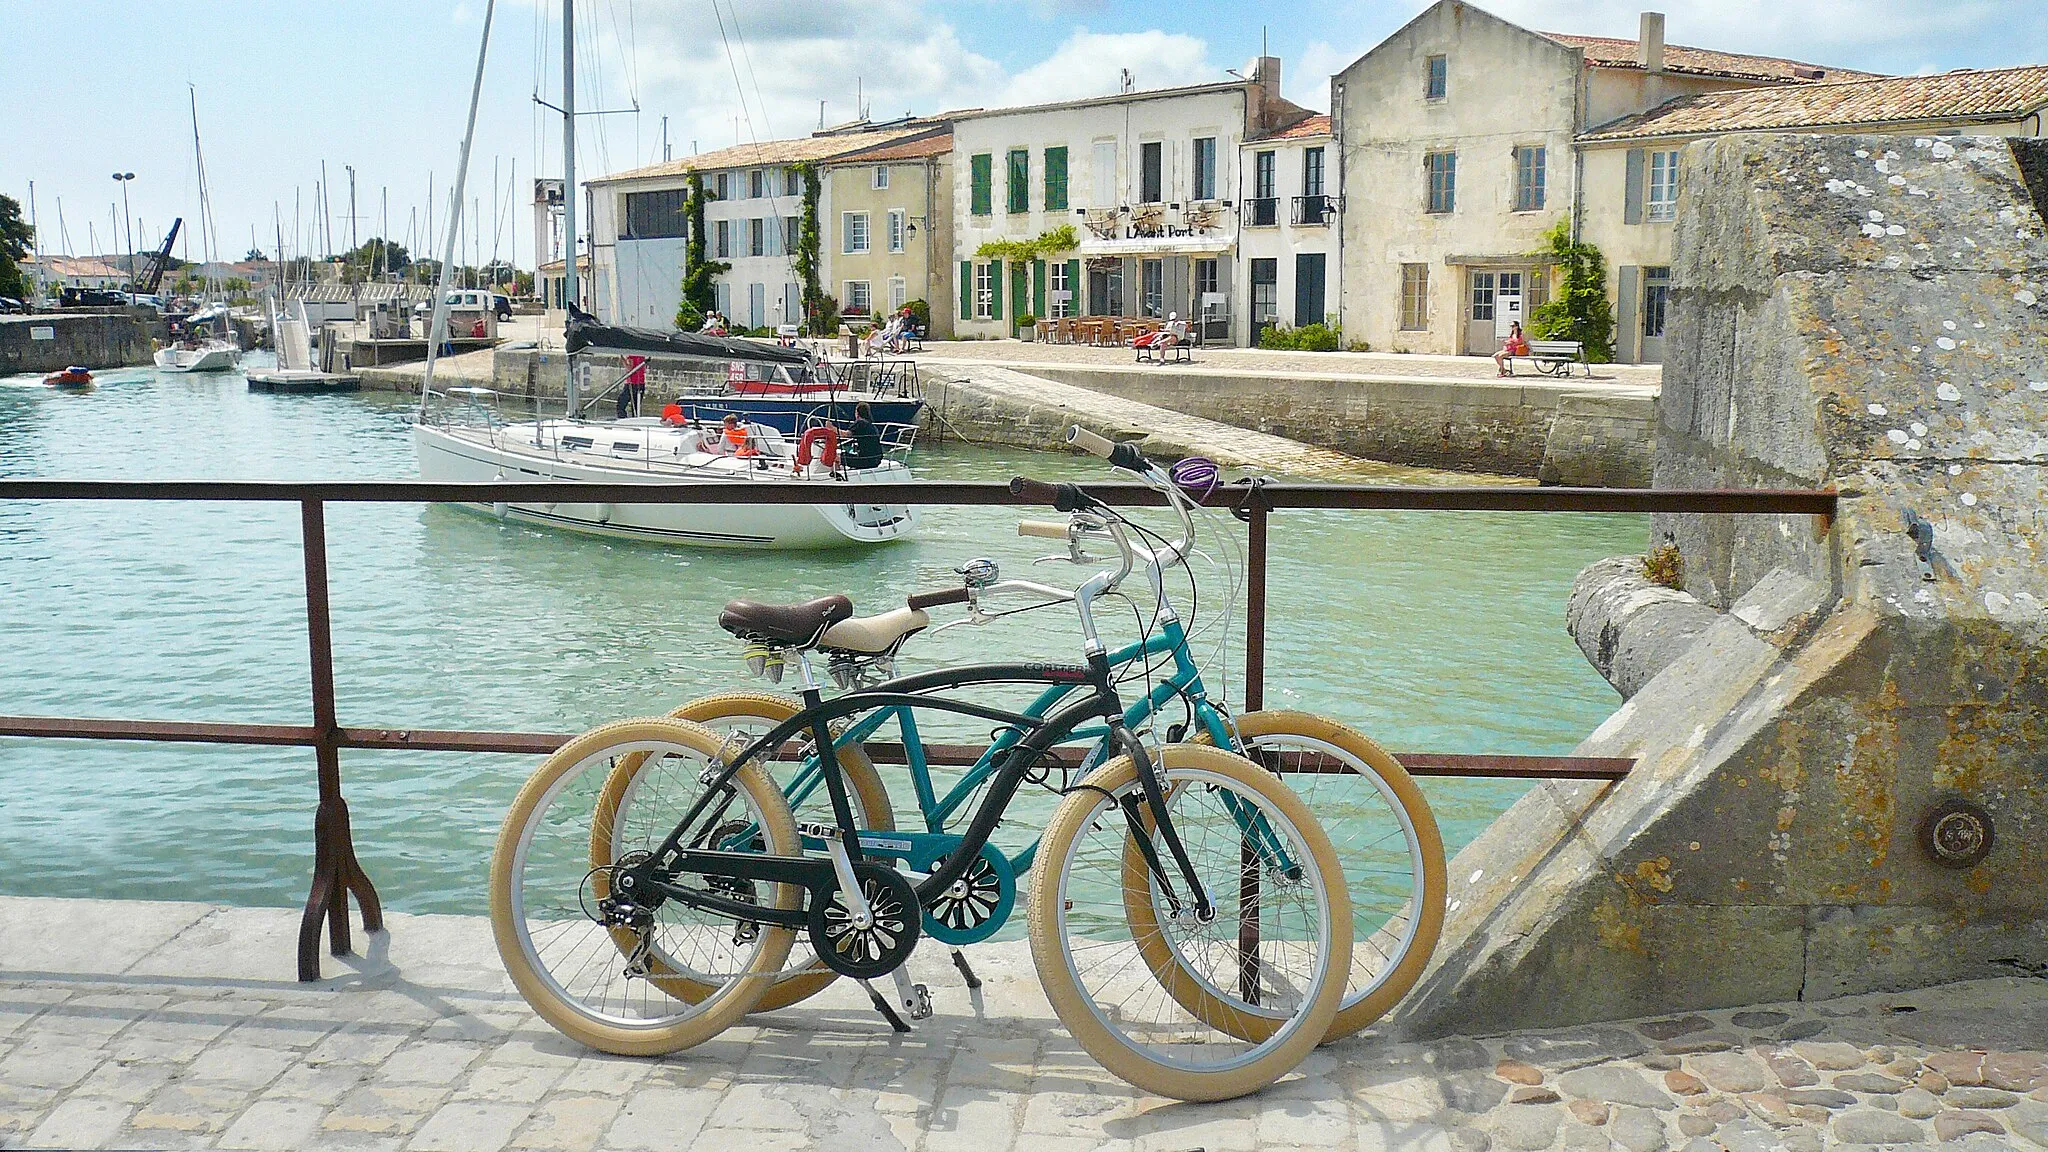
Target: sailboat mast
{"points": [[437, 322], [570, 291]]}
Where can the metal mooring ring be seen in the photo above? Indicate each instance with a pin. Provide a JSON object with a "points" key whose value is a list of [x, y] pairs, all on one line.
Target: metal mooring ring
{"points": [[1956, 833]]}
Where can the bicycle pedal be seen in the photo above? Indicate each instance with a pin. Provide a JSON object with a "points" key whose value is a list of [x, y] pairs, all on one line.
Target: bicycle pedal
{"points": [[916, 999]]}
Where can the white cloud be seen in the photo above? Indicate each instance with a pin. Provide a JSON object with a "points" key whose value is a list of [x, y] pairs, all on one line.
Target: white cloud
{"points": [[1091, 64]]}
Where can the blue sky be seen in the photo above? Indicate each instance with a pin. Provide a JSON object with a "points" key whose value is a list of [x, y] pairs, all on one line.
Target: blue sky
{"points": [[382, 85]]}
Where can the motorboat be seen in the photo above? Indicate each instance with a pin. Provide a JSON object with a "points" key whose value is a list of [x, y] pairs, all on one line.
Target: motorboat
{"points": [[202, 349], [464, 440], [75, 378]]}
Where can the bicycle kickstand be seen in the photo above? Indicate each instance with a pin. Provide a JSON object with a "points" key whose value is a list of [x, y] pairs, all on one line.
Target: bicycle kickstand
{"points": [[915, 1000], [966, 973]]}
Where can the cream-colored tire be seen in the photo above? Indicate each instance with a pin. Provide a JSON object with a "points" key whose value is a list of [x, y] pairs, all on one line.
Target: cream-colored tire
{"points": [[1393, 858], [542, 884], [803, 974], [1084, 946]]}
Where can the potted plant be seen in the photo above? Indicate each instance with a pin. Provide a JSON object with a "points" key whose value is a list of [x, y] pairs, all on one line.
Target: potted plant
{"points": [[1027, 327]]}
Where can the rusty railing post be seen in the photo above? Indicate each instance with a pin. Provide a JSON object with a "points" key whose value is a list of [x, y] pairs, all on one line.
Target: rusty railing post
{"points": [[336, 872]]}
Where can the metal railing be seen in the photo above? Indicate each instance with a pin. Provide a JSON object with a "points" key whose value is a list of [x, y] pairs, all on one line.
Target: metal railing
{"points": [[1317, 209], [336, 872], [1262, 212]]}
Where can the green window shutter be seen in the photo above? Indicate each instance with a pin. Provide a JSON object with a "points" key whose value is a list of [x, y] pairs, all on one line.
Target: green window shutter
{"points": [[1038, 288], [995, 289], [979, 202], [966, 290], [1632, 189], [1020, 180], [1074, 287], [1055, 179]]}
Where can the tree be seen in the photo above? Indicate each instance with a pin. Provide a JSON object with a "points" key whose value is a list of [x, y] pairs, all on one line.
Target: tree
{"points": [[1578, 309], [377, 255], [700, 272], [254, 256], [15, 238]]}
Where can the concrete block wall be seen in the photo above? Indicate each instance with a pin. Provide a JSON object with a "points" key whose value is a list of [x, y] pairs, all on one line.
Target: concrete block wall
{"points": [[1868, 314], [96, 340]]}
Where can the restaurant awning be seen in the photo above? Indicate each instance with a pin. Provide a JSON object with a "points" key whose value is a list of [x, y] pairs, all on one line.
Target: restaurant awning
{"points": [[1155, 246]]}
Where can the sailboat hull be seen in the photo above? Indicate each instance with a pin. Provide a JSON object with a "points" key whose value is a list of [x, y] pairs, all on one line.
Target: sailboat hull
{"points": [[218, 359], [456, 454]]}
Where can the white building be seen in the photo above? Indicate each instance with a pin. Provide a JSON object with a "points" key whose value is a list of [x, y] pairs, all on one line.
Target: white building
{"points": [[1149, 181], [639, 235], [1287, 246]]}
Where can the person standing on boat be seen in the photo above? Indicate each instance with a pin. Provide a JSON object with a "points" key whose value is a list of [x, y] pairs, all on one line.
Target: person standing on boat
{"points": [[863, 441]]}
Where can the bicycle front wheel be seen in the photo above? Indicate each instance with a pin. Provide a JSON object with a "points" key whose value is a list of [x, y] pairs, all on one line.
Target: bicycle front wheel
{"points": [[1279, 933], [610, 986]]}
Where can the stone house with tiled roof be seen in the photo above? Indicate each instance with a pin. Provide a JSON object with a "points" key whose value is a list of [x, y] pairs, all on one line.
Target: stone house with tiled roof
{"points": [[1458, 137], [1287, 235], [890, 234], [637, 226]]}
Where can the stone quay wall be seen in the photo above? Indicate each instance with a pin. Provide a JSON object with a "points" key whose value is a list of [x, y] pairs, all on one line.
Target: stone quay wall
{"points": [[1840, 727], [96, 340]]}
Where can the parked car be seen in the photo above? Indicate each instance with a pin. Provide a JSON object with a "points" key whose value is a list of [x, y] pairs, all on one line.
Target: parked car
{"points": [[9, 304], [502, 304], [466, 300]]}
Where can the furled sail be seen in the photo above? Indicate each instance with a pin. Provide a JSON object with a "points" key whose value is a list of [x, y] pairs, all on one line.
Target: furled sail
{"points": [[585, 332]]}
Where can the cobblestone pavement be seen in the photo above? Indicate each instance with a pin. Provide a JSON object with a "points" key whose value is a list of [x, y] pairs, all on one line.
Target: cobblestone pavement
{"points": [[157, 1025], [1019, 354]]}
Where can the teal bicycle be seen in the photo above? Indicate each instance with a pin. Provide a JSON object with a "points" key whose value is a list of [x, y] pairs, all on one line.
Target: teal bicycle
{"points": [[1378, 820]]}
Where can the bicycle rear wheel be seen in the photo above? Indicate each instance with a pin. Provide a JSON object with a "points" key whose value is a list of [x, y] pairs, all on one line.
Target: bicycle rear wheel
{"points": [[610, 987], [1281, 925]]}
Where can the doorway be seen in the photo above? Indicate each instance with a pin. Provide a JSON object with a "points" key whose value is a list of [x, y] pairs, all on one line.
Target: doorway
{"points": [[1495, 299]]}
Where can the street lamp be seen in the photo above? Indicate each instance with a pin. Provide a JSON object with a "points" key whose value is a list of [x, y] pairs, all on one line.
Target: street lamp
{"points": [[123, 178]]}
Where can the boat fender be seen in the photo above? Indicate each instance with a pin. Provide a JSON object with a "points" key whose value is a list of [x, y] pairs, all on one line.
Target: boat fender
{"points": [[828, 451]]}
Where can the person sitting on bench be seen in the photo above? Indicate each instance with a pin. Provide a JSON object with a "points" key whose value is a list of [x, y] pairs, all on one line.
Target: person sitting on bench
{"points": [[1515, 345]]}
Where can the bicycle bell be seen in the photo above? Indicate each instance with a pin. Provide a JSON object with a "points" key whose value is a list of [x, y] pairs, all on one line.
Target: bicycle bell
{"points": [[980, 572]]}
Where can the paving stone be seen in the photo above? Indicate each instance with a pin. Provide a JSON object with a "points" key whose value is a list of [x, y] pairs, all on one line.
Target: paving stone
{"points": [[1696, 1124], [510, 1082], [2016, 1071], [1917, 1104], [317, 1084], [1758, 1021], [470, 1126], [190, 1108], [383, 1108], [1722, 1111], [2029, 1121], [1980, 1098], [1516, 1072], [81, 1122], [1562, 1051], [1527, 1129], [662, 1118], [128, 1081], [274, 1124], [1833, 1056], [1932, 1083], [1458, 1056], [1637, 1130], [241, 1065], [1684, 1083], [428, 1062], [1802, 1029], [1397, 1102], [40, 1065], [1770, 1109], [1875, 1126], [1958, 1067], [1819, 1097], [1791, 1071], [1213, 1128], [1731, 1071], [1808, 1114], [1614, 1084], [756, 1105], [1304, 1123], [1532, 1094], [1702, 1042], [1073, 1113], [1660, 1062], [605, 1075], [1591, 1112], [1673, 1027], [1956, 1125], [1870, 1082]]}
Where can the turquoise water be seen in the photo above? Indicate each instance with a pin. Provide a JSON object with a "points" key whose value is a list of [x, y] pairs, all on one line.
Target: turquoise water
{"points": [[1437, 632]]}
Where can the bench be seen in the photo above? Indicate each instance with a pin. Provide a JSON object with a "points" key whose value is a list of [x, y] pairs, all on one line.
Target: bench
{"points": [[1554, 357], [1180, 351]]}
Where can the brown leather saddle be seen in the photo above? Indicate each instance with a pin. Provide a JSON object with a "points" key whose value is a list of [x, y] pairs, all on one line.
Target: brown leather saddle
{"points": [[784, 625]]}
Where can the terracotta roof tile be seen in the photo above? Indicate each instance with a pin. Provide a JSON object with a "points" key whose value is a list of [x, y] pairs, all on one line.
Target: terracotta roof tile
{"points": [[1964, 97], [1609, 52], [1318, 125], [916, 148], [766, 152]]}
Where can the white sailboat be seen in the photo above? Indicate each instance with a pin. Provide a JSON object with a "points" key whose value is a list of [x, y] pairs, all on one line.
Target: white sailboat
{"points": [[465, 442], [203, 348]]}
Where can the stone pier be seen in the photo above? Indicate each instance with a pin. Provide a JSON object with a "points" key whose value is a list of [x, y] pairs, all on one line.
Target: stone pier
{"points": [[55, 341], [1840, 728]]}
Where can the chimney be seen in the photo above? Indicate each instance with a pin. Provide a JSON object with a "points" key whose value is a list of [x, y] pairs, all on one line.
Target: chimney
{"points": [[1267, 72], [1650, 43]]}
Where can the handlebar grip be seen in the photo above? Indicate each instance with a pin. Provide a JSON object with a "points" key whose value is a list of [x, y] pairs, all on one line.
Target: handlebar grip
{"points": [[1050, 529], [1089, 442], [1063, 497], [923, 600]]}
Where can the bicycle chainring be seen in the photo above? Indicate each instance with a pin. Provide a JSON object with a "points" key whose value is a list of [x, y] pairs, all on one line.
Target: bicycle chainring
{"points": [[974, 907], [878, 947]]}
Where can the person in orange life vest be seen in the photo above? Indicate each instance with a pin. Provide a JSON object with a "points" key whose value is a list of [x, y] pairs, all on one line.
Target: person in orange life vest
{"points": [[672, 415], [737, 439]]}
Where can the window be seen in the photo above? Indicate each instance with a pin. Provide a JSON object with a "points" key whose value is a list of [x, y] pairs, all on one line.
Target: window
{"points": [[1056, 283], [1152, 281], [1208, 279], [1656, 300], [1055, 179], [1105, 175], [1482, 295], [856, 298], [1438, 80], [1262, 175], [1663, 187], [899, 293], [1312, 172], [791, 227], [896, 221], [1205, 168], [723, 234], [722, 185], [1019, 186], [980, 170], [757, 183], [1528, 179], [853, 232], [1265, 291], [1151, 175], [1443, 180], [793, 182], [757, 237], [1414, 297], [881, 177], [654, 215], [984, 291]]}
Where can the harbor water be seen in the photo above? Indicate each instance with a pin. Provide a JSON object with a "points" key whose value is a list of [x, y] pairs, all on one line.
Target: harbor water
{"points": [[1429, 631]]}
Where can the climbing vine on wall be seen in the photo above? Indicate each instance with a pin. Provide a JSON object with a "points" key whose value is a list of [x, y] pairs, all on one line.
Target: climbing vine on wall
{"points": [[821, 310], [1578, 308], [1041, 247], [700, 273]]}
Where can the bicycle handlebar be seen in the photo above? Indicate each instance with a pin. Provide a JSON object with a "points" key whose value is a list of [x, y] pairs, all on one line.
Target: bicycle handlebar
{"points": [[1120, 454], [1050, 529], [1063, 497], [922, 600]]}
